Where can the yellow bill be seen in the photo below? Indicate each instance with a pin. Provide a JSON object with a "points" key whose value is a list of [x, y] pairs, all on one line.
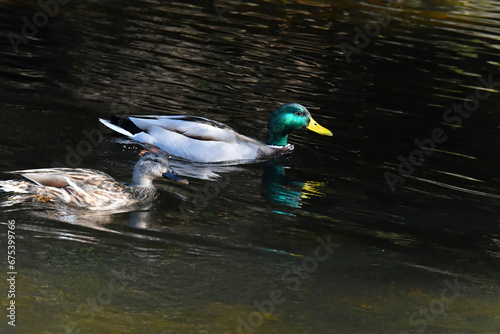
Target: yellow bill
{"points": [[314, 126]]}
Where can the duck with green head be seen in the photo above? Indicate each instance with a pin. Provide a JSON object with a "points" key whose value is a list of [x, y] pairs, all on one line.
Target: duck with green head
{"points": [[202, 140]]}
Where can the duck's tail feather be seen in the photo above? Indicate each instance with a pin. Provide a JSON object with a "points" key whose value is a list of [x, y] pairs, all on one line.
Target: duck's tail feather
{"points": [[121, 125], [16, 186]]}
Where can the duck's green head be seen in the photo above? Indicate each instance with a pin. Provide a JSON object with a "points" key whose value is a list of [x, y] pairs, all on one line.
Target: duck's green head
{"points": [[290, 117]]}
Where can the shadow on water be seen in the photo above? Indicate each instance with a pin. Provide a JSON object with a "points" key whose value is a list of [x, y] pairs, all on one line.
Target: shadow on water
{"points": [[391, 226]]}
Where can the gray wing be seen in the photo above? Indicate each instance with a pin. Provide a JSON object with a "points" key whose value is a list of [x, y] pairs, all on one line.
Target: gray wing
{"points": [[194, 127]]}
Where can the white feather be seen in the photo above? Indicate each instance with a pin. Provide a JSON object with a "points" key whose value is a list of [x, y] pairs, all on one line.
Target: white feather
{"points": [[115, 128], [75, 186]]}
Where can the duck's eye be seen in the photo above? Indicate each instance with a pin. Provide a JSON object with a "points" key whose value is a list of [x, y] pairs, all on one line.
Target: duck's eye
{"points": [[299, 113], [156, 160]]}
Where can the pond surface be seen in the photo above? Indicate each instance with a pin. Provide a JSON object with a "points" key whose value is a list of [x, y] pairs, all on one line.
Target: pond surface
{"points": [[389, 226]]}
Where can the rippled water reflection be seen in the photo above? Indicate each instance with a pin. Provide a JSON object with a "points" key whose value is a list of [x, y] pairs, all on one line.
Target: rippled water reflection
{"points": [[237, 250]]}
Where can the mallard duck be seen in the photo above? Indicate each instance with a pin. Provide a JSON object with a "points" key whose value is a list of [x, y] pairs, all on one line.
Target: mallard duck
{"points": [[93, 189], [203, 140]]}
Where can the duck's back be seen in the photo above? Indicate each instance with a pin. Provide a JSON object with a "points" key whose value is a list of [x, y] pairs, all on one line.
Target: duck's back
{"points": [[84, 188]]}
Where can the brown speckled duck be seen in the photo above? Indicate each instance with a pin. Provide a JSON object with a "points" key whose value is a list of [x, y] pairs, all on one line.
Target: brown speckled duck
{"points": [[91, 189]]}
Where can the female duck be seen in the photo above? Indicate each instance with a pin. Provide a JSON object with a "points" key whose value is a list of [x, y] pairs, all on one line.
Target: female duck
{"points": [[92, 189], [203, 140]]}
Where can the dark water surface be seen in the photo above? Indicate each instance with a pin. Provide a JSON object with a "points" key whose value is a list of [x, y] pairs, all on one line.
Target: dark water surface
{"points": [[390, 226]]}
